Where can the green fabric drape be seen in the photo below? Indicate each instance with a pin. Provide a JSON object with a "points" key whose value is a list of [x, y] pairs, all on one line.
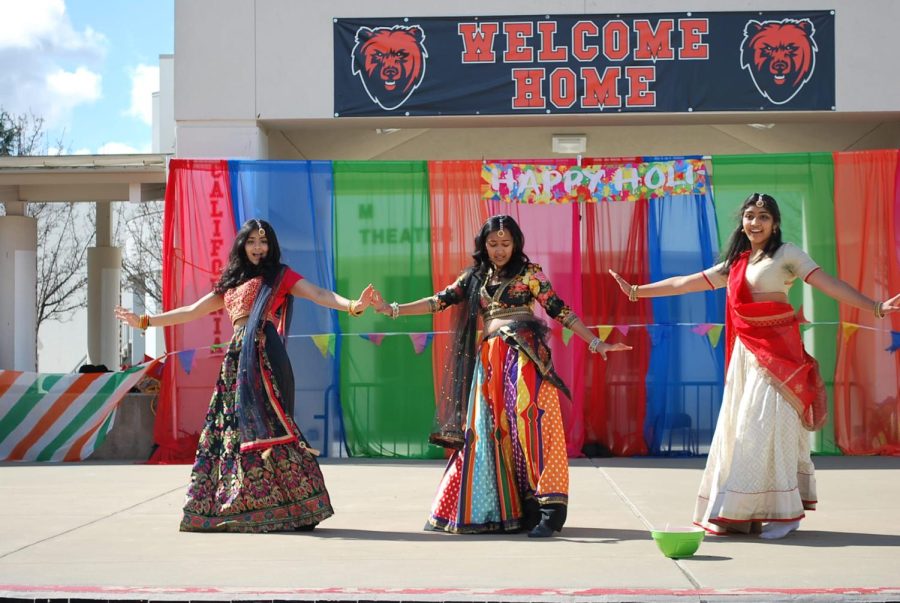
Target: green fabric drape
{"points": [[803, 186], [382, 236]]}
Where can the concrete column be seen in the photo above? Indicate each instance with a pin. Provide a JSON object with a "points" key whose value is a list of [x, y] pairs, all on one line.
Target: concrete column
{"points": [[18, 293], [138, 339], [104, 277]]}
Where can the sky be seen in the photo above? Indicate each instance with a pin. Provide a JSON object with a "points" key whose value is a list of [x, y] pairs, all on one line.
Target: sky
{"points": [[88, 67]]}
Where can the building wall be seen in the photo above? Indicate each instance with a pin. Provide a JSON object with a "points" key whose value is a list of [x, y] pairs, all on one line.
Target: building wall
{"points": [[255, 79]]}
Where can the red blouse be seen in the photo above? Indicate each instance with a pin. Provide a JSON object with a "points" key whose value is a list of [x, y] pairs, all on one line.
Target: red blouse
{"points": [[239, 300]]}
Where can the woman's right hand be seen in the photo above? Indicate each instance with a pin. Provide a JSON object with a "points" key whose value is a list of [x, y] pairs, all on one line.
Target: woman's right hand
{"points": [[624, 285], [128, 317]]}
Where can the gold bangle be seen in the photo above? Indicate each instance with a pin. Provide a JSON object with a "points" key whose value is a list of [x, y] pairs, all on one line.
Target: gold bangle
{"points": [[351, 308], [143, 322], [632, 293], [879, 312]]}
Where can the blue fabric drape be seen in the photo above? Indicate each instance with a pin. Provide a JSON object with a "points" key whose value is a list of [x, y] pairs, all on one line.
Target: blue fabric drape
{"points": [[297, 198], [686, 374]]}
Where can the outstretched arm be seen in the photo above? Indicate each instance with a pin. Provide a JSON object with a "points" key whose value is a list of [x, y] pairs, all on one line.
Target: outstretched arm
{"points": [[595, 346], [330, 299], [414, 308], [847, 294], [676, 285], [203, 306]]}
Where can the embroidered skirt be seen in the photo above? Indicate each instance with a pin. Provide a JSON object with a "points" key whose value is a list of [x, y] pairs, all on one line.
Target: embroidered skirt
{"points": [[759, 467], [513, 462], [275, 489]]}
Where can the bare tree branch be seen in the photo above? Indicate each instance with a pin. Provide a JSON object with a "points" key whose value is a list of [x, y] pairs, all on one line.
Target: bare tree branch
{"points": [[64, 230], [139, 233], [64, 234]]}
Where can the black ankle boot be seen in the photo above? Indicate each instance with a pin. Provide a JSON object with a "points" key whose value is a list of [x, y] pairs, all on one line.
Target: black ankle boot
{"points": [[552, 517], [307, 528], [542, 530]]}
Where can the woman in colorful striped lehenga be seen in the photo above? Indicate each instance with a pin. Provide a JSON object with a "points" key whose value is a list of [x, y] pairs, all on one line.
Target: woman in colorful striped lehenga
{"points": [[254, 471], [498, 406], [759, 476]]}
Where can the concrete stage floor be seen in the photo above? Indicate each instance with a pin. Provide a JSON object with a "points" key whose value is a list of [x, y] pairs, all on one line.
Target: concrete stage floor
{"points": [[110, 531]]}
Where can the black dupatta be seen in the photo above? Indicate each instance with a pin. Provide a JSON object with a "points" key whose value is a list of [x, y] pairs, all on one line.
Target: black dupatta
{"points": [[260, 414], [453, 396]]}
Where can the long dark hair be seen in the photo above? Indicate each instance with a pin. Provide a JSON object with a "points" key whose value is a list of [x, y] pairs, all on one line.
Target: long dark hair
{"points": [[518, 259], [240, 268], [739, 243]]}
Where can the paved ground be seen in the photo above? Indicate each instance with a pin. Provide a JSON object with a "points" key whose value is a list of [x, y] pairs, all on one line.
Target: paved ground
{"points": [[109, 531]]}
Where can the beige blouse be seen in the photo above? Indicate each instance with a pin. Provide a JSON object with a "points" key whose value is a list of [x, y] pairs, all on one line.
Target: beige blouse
{"points": [[773, 274]]}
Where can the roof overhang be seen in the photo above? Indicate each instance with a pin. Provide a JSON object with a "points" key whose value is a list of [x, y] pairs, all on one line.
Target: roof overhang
{"points": [[62, 178]]}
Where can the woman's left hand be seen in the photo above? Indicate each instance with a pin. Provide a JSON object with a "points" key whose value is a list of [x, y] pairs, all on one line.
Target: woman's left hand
{"points": [[624, 285], [603, 348], [891, 305]]}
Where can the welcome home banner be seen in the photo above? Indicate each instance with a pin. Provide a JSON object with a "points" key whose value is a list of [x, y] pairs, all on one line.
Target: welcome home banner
{"points": [[651, 62], [563, 183]]}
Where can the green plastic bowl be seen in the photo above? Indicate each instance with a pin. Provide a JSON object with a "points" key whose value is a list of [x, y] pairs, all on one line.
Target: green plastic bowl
{"points": [[677, 543]]}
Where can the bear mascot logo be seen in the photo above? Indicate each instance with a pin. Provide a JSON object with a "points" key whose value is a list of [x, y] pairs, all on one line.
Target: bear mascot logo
{"points": [[390, 62], [780, 56]]}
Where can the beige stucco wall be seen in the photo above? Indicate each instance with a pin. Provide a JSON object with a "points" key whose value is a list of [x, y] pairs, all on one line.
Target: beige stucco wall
{"points": [[254, 78]]}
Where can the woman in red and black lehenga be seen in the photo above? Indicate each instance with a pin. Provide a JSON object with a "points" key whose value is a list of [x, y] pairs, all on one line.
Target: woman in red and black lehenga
{"points": [[498, 407], [759, 476], [254, 471]]}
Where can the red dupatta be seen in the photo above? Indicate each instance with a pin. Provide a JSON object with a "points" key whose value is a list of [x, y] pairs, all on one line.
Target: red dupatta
{"points": [[771, 332]]}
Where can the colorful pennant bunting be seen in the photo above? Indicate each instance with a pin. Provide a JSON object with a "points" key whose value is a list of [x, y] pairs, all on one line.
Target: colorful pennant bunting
{"points": [[325, 343], [848, 329], [420, 341], [186, 357], [375, 338], [702, 329], [714, 333], [567, 335], [895, 342]]}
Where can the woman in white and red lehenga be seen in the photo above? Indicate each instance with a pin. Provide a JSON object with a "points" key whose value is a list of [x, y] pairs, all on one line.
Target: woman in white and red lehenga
{"points": [[759, 476]]}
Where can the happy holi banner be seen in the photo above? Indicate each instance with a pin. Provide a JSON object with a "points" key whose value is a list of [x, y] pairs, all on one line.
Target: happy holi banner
{"points": [[626, 181], [535, 64]]}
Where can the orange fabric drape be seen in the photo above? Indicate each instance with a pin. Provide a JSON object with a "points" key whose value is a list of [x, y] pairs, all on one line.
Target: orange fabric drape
{"points": [[867, 377], [615, 236], [457, 214]]}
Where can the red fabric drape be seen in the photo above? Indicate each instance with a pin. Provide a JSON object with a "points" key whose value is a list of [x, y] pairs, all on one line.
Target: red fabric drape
{"points": [[867, 377], [457, 214], [197, 237], [615, 236]]}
